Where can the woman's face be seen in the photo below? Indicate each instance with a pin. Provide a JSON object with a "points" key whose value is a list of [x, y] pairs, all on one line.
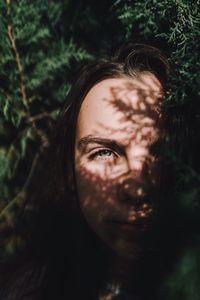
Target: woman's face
{"points": [[116, 171]]}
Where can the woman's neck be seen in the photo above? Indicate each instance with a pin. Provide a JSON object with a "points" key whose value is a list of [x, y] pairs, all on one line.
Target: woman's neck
{"points": [[134, 277], [124, 272]]}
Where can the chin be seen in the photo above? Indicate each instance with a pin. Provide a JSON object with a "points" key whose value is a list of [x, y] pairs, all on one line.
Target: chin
{"points": [[128, 250]]}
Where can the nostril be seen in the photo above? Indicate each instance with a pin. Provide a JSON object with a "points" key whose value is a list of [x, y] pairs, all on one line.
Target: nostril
{"points": [[133, 191]]}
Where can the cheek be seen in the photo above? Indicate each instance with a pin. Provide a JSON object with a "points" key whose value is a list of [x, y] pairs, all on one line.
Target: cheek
{"points": [[97, 197]]}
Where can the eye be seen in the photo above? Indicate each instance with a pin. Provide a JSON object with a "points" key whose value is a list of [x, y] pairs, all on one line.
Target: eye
{"points": [[103, 154]]}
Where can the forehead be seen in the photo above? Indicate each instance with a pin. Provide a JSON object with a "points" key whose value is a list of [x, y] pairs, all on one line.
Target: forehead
{"points": [[118, 103]]}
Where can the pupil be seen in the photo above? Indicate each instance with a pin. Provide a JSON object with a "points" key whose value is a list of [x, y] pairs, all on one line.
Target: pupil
{"points": [[105, 152]]}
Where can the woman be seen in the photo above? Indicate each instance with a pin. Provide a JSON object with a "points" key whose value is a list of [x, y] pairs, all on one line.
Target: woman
{"points": [[98, 193]]}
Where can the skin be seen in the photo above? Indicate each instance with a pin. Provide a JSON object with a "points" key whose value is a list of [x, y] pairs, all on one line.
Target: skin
{"points": [[115, 170]]}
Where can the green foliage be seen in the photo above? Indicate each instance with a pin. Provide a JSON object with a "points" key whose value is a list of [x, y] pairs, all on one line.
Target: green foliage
{"points": [[43, 42], [184, 281], [32, 60], [175, 24], [41, 46]]}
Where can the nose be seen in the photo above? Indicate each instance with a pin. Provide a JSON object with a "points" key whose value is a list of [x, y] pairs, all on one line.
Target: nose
{"points": [[134, 184], [133, 190], [136, 157]]}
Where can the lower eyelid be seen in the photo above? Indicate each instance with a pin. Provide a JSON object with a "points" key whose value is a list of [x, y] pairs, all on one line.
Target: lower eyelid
{"points": [[97, 154]]}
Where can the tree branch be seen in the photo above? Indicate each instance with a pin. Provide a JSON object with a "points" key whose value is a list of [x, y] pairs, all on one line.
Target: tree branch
{"points": [[39, 132]]}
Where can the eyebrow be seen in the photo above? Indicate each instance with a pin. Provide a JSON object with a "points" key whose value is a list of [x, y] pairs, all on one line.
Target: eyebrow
{"points": [[85, 141]]}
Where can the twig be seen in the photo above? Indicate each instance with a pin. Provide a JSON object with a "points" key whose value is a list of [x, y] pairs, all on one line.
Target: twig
{"points": [[11, 36], [19, 66], [38, 117]]}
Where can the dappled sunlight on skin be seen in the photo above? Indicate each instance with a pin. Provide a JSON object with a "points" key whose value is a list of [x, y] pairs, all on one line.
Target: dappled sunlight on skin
{"points": [[136, 108], [116, 172], [107, 203]]}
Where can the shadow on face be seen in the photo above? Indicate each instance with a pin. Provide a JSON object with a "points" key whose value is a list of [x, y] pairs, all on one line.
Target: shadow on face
{"points": [[117, 173]]}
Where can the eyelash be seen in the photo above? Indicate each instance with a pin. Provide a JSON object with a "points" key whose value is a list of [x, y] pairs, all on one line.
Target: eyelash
{"points": [[98, 153]]}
